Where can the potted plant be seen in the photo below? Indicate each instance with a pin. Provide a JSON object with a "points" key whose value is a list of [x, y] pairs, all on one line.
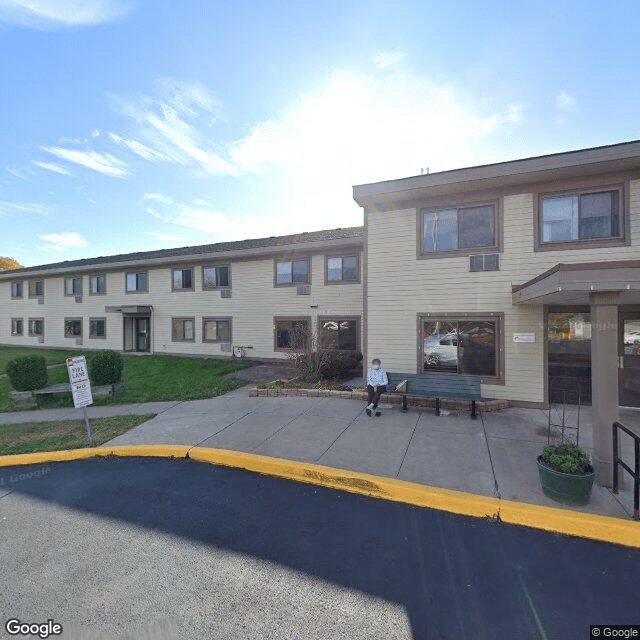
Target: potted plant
{"points": [[566, 474]]}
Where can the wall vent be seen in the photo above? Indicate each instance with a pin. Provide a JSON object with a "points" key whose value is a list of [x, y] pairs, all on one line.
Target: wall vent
{"points": [[79, 297], [225, 293], [78, 341], [40, 339], [484, 262], [225, 347], [40, 299], [304, 289]]}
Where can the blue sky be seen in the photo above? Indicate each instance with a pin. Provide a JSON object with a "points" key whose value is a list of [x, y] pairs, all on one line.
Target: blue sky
{"points": [[129, 125]]}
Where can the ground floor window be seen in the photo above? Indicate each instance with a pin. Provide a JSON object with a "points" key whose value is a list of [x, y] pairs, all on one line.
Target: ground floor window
{"points": [[339, 333], [97, 328], [469, 345], [16, 327], [292, 333], [182, 329], [216, 330], [72, 327], [36, 326]]}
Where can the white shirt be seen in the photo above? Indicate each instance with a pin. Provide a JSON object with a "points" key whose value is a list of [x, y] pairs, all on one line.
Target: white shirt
{"points": [[377, 377]]}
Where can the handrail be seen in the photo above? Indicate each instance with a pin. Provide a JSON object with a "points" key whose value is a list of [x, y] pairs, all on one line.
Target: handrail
{"points": [[618, 462]]}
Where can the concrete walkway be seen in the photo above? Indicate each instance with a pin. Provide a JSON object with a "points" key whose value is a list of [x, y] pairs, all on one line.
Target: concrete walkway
{"points": [[492, 456]]}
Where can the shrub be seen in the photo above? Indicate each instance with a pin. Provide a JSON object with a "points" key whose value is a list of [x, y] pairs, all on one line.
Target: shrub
{"points": [[105, 367], [28, 373], [338, 364], [567, 458]]}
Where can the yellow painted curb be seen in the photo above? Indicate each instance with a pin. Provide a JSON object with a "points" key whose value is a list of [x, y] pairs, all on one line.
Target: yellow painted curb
{"points": [[556, 520]]}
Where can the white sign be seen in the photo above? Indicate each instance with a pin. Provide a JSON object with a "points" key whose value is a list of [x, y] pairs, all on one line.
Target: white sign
{"points": [[79, 379], [524, 337]]}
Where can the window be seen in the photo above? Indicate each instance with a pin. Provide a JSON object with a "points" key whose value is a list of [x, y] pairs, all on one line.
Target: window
{"points": [[73, 286], [72, 327], [342, 269], [137, 282], [216, 330], [293, 333], [339, 333], [458, 229], [292, 271], [585, 216], [215, 277], [182, 329], [17, 328], [16, 289], [97, 285], [36, 326], [470, 346], [36, 288], [97, 328], [182, 279]]}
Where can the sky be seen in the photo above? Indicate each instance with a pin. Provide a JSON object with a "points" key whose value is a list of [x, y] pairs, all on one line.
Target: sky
{"points": [[132, 125]]}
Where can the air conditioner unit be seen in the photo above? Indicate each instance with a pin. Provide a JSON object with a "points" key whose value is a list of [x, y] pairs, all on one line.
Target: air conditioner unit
{"points": [[225, 293], [79, 297], [304, 289], [484, 262]]}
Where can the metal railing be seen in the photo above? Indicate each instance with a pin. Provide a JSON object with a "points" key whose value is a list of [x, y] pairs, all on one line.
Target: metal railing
{"points": [[618, 462]]}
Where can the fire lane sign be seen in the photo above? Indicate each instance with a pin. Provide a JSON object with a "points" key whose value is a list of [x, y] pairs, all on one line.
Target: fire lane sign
{"points": [[79, 379]]}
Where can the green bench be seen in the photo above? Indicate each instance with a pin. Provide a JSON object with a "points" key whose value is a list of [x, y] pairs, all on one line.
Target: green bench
{"points": [[437, 386]]}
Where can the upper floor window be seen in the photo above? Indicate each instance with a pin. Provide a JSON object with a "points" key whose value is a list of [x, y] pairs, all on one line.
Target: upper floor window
{"points": [[458, 229], [342, 269], [97, 285], [215, 277], [293, 271], [16, 289], [36, 288], [73, 286], [182, 279], [137, 282], [582, 216]]}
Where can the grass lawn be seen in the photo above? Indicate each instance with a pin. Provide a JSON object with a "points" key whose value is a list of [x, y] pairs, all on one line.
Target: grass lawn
{"points": [[147, 379], [52, 356], [68, 434]]}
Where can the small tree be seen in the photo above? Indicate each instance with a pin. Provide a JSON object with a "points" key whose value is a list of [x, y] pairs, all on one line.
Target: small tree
{"points": [[8, 264], [28, 373], [304, 353], [105, 367]]}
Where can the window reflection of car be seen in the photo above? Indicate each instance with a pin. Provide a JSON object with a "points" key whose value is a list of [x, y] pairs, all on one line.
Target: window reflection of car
{"points": [[632, 343], [441, 350]]}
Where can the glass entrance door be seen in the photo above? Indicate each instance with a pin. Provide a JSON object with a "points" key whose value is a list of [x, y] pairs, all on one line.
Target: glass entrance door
{"points": [[630, 350], [142, 332]]}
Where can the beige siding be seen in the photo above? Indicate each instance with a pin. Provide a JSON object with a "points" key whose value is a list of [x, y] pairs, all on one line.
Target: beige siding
{"points": [[253, 305], [400, 286]]}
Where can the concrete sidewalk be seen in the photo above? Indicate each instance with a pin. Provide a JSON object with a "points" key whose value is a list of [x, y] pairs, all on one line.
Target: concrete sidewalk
{"points": [[492, 456]]}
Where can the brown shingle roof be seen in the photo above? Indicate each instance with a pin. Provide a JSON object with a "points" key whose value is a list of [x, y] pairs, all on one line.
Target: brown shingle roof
{"points": [[326, 235]]}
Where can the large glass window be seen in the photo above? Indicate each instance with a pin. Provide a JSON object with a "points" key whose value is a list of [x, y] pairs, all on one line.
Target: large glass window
{"points": [[36, 288], [342, 269], [137, 281], [292, 334], [337, 333], [292, 271], [461, 346], [97, 328], [215, 277], [461, 228], [97, 285], [72, 327], [182, 329], [580, 216], [73, 286], [16, 289], [182, 279], [216, 330]]}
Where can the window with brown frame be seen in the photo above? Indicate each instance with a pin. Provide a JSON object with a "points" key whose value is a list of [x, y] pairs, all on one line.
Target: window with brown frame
{"points": [[36, 288], [215, 277], [339, 333], [16, 289], [462, 345], [580, 216], [216, 329], [73, 327], [183, 329], [182, 279], [293, 272], [73, 286], [292, 333], [97, 327], [17, 327], [97, 285], [36, 326], [137, 282], [342, 269], [465, 229]]}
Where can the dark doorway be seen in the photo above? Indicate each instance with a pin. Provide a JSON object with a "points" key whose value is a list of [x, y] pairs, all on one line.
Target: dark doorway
{"points": [[629, 350]]}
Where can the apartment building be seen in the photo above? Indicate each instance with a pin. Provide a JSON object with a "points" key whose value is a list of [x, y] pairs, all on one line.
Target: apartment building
{"points": [[525, 274], [201, 300]]}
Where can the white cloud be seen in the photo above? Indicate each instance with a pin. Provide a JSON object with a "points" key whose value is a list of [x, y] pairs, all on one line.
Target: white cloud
{"points": [[52, 166], [565, 102], [386, 59], [166, 238], [8, 208], [138, 148], [62, 241], [47, 14], [169, 130], [101, 162], [19, 173]]}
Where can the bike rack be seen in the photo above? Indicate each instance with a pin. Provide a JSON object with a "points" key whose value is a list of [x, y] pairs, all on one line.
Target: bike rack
{"points": [[618, 462]]}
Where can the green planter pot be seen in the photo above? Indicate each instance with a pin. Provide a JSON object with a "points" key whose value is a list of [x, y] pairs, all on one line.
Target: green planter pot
{"points": [[565, 487]]}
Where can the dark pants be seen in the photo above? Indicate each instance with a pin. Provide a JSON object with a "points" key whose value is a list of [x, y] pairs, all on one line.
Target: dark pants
{"points": [[374, 396]]}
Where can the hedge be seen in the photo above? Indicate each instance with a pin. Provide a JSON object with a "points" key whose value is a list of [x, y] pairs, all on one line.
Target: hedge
{"points": [[28, 373]]}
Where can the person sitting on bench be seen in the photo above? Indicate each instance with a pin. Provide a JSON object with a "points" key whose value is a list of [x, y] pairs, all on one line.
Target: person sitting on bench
{"points": [[377, 382]]}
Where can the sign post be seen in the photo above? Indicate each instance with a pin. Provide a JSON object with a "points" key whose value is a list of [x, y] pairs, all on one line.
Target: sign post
{"points": [[81, 388]]}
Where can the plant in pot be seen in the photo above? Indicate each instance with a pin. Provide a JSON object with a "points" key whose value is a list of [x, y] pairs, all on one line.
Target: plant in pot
{"points": [[566, 474]]}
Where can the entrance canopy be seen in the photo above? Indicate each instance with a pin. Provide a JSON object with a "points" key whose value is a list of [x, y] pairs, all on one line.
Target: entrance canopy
{"points": [[573, 284], [136, 309]]}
